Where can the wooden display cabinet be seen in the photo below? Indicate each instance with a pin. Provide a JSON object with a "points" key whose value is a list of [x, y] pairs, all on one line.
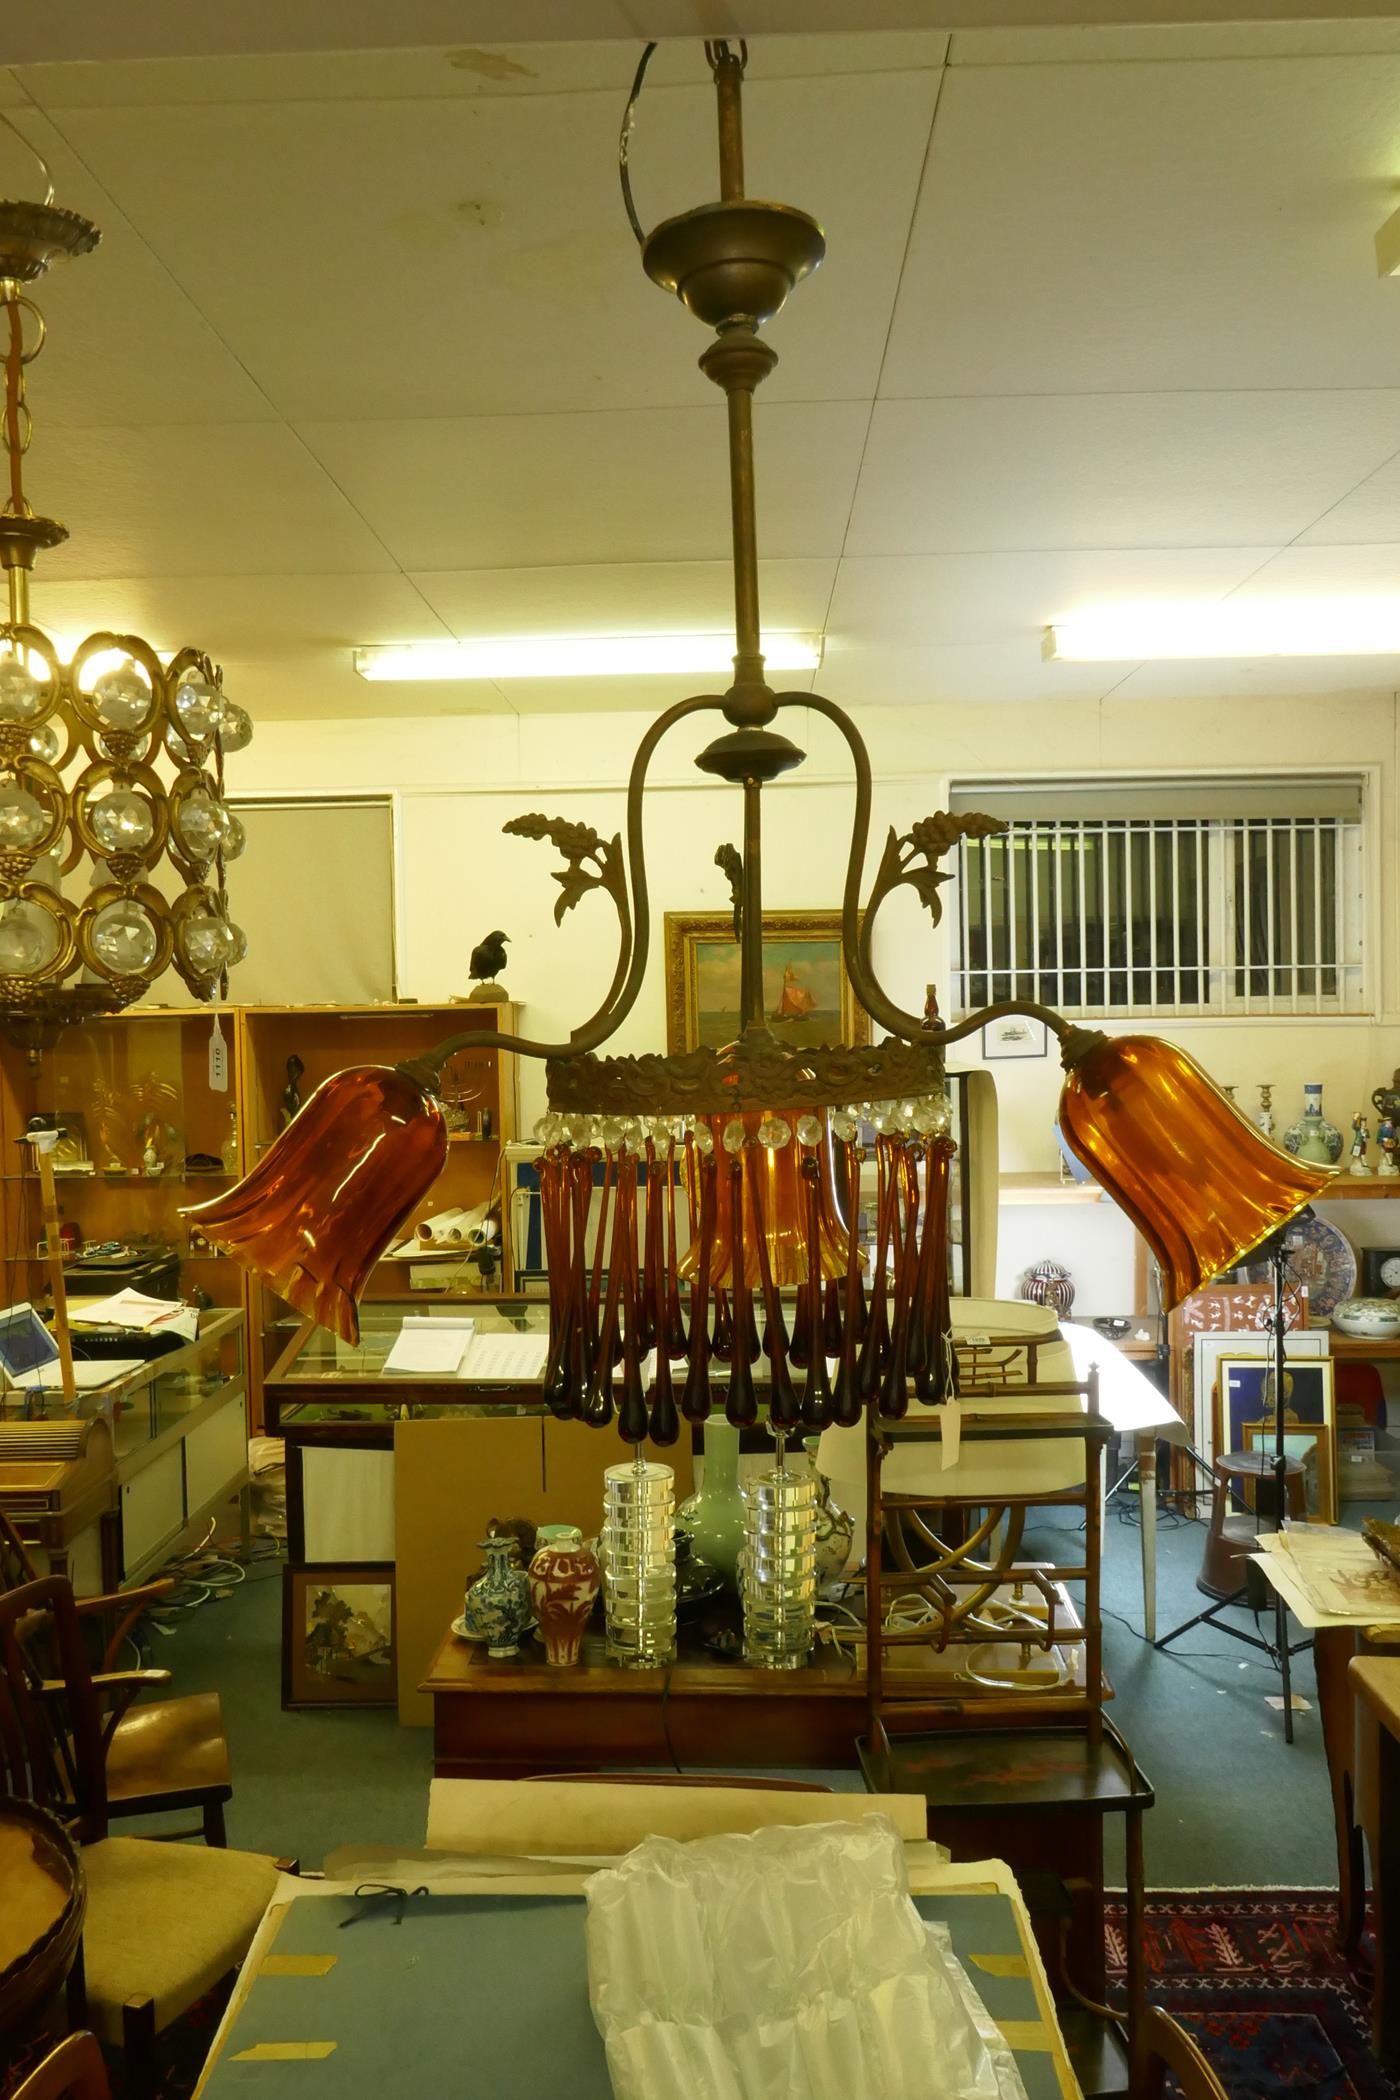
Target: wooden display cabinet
{"points": [[477, 1084], [119, 1084]]}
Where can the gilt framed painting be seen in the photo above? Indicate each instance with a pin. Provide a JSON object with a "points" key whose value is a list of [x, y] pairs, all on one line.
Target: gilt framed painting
{"points": [[807, 996], [338, 1635]]}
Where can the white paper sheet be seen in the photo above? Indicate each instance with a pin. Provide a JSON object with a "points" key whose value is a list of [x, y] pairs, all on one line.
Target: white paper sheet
{"points": [[431, 1348], [514, 1358]]}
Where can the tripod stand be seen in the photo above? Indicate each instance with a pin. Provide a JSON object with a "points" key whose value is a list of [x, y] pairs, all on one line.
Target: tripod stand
{"points": [[1275, 1249]]}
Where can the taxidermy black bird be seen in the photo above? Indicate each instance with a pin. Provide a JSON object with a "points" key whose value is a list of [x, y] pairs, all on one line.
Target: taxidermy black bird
{"points": [[489, 956]]}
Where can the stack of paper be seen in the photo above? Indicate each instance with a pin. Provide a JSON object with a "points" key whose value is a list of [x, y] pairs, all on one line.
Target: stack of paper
{"points": [[142, 1315], [431, 1348]]}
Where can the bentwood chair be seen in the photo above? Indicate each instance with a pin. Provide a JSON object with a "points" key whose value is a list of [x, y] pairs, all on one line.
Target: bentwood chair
{"points": [[1170, 2048], [164, 1922], [162, 1755], [72, 2071]]}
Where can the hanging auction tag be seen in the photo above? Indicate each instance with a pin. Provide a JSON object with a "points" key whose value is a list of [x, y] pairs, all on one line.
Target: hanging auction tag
{"points": [[950, 1422], [218, 1059]]}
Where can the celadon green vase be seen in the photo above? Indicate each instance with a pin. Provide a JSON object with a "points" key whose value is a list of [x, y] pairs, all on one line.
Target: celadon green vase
{"points": [[714, 1516]]}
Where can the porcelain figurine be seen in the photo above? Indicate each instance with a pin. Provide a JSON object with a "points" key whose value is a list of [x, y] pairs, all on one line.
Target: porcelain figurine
{"points": [[1312, 1137], [1360, 1139], [564, 1581], [497, 1608], [1386, 1141]]}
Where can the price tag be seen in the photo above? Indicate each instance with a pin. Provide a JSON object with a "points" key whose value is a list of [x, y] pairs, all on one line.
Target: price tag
{"points": [[218, 1059], [950, 1422]]}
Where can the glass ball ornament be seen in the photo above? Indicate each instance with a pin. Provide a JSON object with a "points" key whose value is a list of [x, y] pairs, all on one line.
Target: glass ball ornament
{"points": [[235, 726], [732, 1137], [28, 939], [610, 1133], [845, 1124], [121, 821], [197, 706], [205, 942], [809, 1130], [21, 693], [773, 1132], [930, 1115], [238, 943], [235, 837], [704, 1140], [547, 1129], [23, 818], [200, 822], [122, 698], [46, 743], [123, 937]]}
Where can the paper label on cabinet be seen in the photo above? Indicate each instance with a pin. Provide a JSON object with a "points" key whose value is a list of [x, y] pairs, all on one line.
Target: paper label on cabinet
{"points": [[950, 1422], [218, 1059]]}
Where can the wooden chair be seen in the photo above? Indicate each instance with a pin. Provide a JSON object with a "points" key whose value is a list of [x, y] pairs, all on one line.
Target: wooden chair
{"points": [[165, 1754], [72, 2071], [164, 1922], [1170, 2048]]}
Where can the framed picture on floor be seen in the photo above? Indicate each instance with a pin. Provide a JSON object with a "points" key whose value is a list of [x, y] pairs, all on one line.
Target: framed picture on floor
{"points": [[1247, 1396], [338, 1635], [1309, 1446], [807, 996]]}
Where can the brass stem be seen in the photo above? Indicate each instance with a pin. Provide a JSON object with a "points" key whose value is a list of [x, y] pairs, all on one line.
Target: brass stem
{"points": [[729, 75], [19, 596], [748, 662], [14, 399], [751, 920]]}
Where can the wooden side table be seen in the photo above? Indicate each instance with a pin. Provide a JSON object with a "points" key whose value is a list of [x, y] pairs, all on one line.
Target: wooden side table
{"points": [[1375, 1683], [518, 1718]]}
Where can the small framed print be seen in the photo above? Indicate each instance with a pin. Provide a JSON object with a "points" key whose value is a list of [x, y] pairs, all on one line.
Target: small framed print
{"points": [[1015, 1035], [1380, 1271], [1247, 1397], [338, 1635]]}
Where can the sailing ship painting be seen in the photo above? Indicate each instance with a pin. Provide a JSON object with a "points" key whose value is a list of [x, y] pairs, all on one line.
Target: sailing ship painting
{"points": [[801, 990]]}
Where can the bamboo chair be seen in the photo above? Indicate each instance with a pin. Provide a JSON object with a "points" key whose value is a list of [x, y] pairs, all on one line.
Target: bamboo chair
{"points": [[1170, 2048], [163, 1755], [164, 1922]]}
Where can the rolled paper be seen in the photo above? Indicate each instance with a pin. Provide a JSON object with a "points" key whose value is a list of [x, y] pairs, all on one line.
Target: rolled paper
{"points": [[447, 1225]]}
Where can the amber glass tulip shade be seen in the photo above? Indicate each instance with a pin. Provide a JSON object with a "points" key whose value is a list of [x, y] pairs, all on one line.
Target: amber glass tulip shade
{"points": [[1196, 1177], [329, 1195]]}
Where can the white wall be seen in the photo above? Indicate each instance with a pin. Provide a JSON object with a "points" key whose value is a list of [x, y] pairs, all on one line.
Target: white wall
{"points": [[460, 777]]}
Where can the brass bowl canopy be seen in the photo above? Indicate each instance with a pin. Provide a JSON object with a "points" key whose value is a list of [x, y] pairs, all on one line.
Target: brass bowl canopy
{"points": [[735, 261], [754, 1074], [34, 235]]}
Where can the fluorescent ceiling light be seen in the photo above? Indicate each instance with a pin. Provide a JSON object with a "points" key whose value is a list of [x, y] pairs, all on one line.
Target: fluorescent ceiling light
{"points": [[582, 656], [1236, 627]]}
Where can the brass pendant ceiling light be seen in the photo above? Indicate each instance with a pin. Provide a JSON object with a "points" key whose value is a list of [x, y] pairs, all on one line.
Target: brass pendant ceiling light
{"points": [[754, 1148], [109, 762]]}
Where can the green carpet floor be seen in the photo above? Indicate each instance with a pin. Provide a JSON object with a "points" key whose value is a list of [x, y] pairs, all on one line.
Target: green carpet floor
{"points": [[1235, 1807]]}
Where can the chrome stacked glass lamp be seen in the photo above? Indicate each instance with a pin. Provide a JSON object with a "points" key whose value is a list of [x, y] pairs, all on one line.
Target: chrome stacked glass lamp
{"points": [[111, 762], [749, 1155]]}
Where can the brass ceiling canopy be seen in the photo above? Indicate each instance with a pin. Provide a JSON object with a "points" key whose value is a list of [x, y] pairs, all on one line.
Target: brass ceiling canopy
{"points": [[109, 762]]}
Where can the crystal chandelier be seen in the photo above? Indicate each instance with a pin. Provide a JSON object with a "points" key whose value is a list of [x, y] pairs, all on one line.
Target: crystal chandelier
{"points": [[724, 1236], [109, 762]]}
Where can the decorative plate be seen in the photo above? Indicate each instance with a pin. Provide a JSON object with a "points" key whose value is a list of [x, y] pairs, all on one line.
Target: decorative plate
{"points": [[1320, 1257]]}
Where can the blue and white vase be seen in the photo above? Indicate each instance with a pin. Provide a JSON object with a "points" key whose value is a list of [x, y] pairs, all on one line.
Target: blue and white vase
{"points": [[1312, 1137], [498, 1608]]}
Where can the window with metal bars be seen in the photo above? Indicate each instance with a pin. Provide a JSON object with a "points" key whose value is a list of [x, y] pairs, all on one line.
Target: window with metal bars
{"points": [[1146, 908]]}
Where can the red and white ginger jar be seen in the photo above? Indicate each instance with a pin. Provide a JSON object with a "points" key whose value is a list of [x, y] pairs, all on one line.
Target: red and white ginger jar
{"points": [[564, 1581]]}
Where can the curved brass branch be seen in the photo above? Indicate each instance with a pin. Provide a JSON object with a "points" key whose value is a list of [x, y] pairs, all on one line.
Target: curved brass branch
{"points": [[912, 858], [632, 959]]}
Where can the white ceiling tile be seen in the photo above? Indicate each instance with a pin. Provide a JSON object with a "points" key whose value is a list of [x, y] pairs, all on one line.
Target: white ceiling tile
{"points": [[528, 491], [244, 615], [1136, 227], [1242, 683], [241, 500], [452, 71], [1153, 43], [971, 673], [1371, 513], [1156, 470], [448, 257], [957, 598], [624, 598], [125, 344], [1311, 569]]}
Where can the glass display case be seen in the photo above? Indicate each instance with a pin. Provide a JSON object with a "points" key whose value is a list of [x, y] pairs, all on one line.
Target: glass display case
{"points": [[179, 1441], [318, 1381]]}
